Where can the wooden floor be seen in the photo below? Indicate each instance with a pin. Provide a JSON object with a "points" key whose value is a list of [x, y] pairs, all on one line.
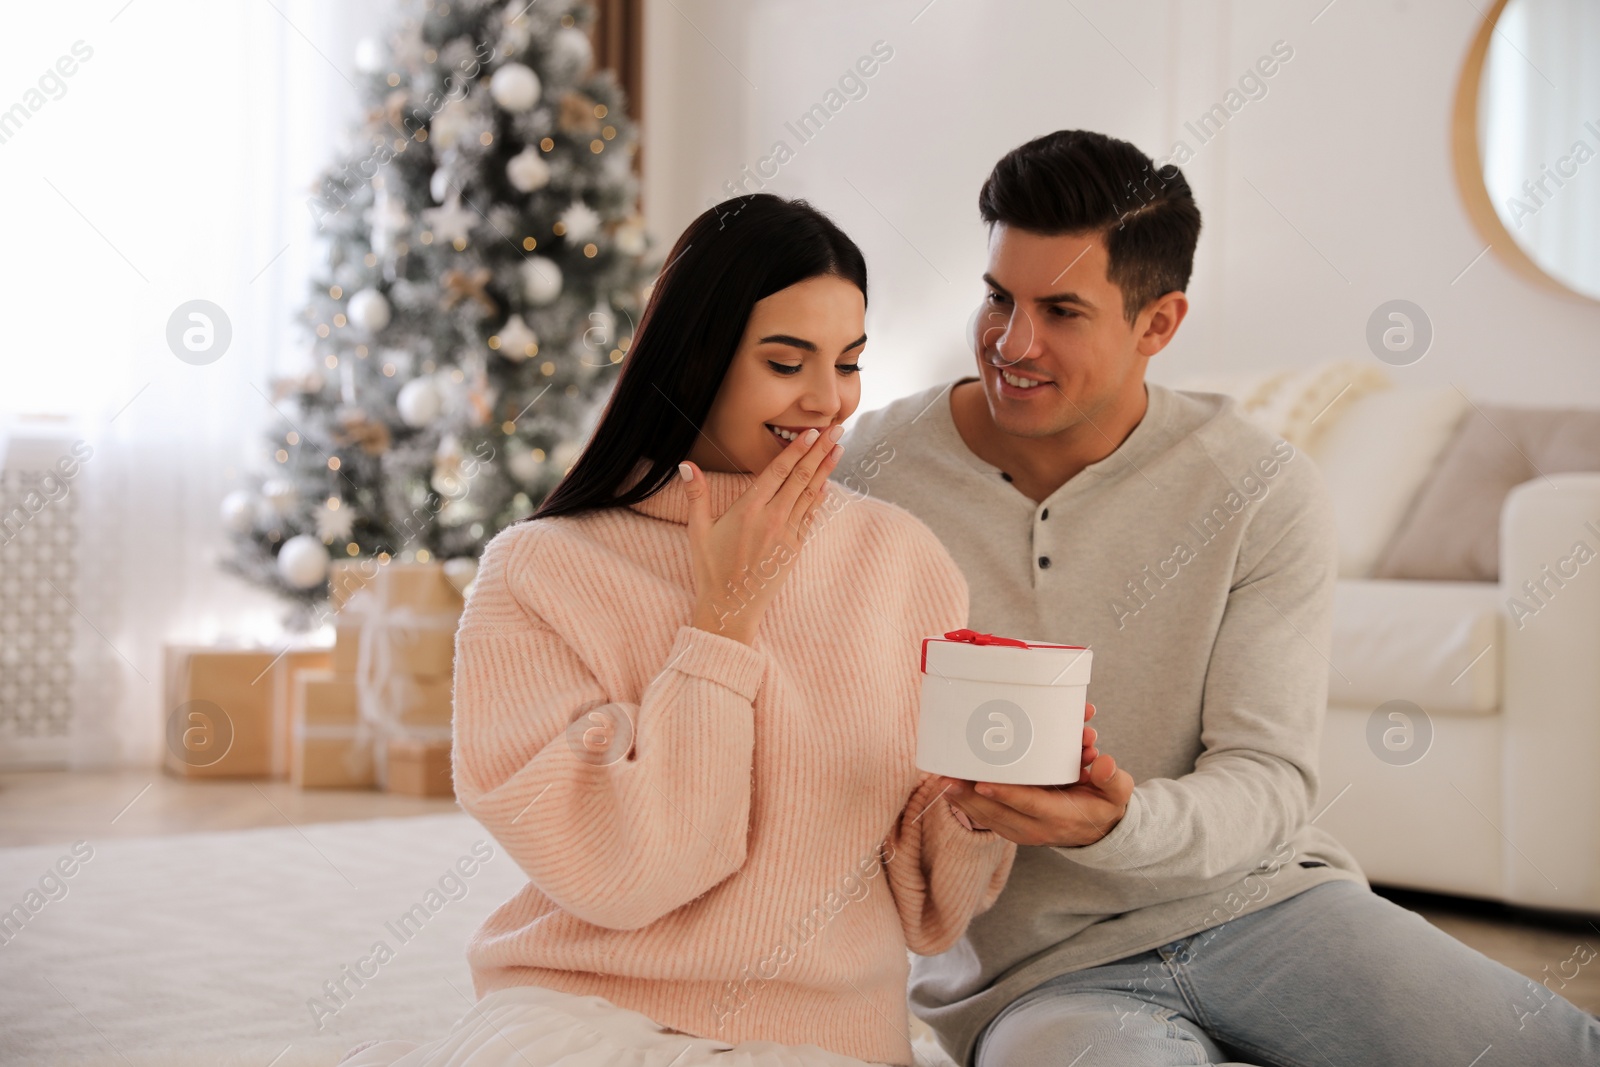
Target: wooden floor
{"points": [[51, 807]]}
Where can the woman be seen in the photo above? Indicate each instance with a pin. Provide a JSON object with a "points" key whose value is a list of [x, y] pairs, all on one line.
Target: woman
{"points": [[686, 697]]}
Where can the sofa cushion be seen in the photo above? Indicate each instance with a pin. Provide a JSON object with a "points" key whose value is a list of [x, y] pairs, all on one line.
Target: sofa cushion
{"points": [[1297, 405], [1375, 457], [1453, 530], [1436, 644]]}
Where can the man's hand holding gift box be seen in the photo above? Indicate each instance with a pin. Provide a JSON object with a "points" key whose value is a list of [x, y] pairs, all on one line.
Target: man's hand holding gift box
{"points": [[999, 720], [1064, 816]]}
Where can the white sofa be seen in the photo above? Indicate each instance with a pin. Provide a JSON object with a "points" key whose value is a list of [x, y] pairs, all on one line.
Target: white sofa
{"points": [[1461, 747], [1504, 803]]}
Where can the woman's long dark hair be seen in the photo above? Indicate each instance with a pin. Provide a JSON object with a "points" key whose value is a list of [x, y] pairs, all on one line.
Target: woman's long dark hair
{"points": [[736, 253]]}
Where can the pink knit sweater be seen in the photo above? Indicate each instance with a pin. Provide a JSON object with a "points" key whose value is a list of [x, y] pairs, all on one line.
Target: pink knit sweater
{"points": [[755, 863]]}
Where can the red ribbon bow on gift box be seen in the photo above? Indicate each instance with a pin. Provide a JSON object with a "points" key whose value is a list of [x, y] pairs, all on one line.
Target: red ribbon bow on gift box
{"points": [[973, 637]]}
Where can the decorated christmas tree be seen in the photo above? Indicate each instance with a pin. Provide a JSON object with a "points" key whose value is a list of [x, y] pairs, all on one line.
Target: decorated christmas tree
{"points": [[484, 267]]}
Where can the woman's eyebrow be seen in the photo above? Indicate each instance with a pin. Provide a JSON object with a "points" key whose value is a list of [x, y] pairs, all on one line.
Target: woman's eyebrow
{"points": [[800, 342], [786, 339]]}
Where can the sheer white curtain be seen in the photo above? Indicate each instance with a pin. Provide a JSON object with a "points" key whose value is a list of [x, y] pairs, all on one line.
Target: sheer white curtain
{"points": [[172, 164]]}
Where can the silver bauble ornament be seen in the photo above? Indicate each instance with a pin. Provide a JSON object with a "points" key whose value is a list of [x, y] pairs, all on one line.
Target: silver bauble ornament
{"points": [[369, 310], [515, 87], [303, 561]]}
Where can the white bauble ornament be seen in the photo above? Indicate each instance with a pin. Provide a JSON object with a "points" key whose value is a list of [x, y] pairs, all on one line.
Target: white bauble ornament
{"points": [[239, 510], [570, 54], [460, 572], [517, 341], [419, 402], [281, 495], [515, 87], [303, 561], [579, 221], [370, 56], [541, 280], [527, 171], [439, 185], [369, 310]]}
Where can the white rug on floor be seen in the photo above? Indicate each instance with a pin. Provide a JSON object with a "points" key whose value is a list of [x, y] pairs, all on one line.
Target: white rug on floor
{"points": [[210, 948], [207, 948]]}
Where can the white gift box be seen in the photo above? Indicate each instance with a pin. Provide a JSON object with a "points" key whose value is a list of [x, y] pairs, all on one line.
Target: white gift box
{"points": [[998, 709]]}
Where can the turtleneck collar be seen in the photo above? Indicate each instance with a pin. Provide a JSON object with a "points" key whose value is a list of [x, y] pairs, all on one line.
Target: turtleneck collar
{"points": [[671, 501]]}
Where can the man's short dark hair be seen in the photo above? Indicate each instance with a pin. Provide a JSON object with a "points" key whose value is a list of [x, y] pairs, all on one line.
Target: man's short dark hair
{"points": [[1082, 182]]}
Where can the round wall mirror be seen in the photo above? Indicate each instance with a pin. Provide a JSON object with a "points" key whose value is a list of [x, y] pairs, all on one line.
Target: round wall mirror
{"points": [[1527, 138]]}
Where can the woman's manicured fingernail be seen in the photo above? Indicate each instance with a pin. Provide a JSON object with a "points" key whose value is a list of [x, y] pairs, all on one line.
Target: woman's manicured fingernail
{"points": [[835, 433], [983, 790], [686, 472], [810, 437]]}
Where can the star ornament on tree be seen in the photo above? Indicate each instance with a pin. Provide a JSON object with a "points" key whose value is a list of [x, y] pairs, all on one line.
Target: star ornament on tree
{"points": [[577, 114], [358, 428], [580, 221], [335, 522], [452, 222], [461, 285]]}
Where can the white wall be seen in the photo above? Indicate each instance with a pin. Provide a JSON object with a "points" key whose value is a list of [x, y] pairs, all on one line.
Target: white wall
{"points": [[1328, 196]]}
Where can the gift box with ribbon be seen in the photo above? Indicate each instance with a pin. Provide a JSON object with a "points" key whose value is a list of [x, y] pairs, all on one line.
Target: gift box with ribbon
{"points": [[423, 586], [330, 750], [336, 747], [284, 671], [419, 768], [229, 709], [1000, 709], [218, 704], [396, 641]]}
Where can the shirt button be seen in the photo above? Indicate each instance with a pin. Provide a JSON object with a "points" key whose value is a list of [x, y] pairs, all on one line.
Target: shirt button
{"points": [[1045, 514], [1044, 561]]}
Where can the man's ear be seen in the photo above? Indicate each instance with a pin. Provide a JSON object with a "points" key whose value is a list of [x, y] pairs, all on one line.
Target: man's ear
{"points": [[1158, 322]]}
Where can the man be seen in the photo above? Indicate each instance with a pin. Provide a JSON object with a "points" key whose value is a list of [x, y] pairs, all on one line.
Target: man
{"points": [[1200, 915]]}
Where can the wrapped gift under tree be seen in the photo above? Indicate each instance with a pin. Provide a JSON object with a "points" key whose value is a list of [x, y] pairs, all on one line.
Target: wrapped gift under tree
{"points": [[389, 681], [228, 709]]}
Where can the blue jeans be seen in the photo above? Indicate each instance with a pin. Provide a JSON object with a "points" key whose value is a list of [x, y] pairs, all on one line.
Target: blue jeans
{"points": [[1335, 976]]}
